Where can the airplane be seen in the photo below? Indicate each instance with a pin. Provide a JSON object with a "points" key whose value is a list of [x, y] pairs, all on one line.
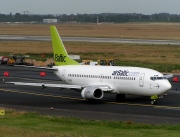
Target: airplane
{"points": [[94, 81]]}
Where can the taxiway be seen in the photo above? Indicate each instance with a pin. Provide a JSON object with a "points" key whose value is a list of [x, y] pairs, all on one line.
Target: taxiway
{"points": [[88, 39], [53, 101]]}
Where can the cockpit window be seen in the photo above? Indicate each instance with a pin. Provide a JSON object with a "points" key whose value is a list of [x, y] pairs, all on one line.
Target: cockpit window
{"points": [[157, 78], [152, 78]]}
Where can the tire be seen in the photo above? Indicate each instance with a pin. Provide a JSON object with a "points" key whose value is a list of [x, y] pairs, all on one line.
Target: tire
{"points": [[153, 102]]}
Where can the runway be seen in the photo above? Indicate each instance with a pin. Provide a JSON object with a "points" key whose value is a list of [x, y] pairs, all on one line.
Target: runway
{"points": [[88, 39], [69, 103]]}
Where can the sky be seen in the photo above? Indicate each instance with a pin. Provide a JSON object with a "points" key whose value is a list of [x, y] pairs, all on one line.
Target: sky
{"points": [[146, 7]]}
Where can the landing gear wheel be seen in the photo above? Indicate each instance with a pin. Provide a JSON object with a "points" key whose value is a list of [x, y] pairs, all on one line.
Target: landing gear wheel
{"points": [[154, 102]]}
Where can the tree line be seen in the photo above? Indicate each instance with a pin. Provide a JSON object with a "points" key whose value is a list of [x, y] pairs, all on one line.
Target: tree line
{"points": [[92, 18]]}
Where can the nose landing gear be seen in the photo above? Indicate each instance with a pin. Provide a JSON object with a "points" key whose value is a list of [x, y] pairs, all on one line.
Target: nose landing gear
{"points": [[154, 100]]}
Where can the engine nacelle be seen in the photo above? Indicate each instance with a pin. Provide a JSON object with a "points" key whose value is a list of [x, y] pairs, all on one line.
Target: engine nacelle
{"points": [[92, 93]]}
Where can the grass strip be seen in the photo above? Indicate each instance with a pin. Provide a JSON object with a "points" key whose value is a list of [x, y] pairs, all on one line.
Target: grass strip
{"points": [[16, 123], [163, 58]]}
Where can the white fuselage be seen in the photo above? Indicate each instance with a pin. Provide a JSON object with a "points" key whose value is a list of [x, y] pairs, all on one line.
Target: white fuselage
{"points": [[124, 80]]}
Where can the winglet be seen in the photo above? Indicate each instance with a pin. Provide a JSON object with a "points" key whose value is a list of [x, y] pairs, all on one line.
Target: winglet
{"points": [[60, 54]]}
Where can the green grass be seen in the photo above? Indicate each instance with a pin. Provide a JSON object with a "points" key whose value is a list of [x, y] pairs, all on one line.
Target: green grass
{"points": [[38, 57], [32, 124], [155, 66], [163, 58]]}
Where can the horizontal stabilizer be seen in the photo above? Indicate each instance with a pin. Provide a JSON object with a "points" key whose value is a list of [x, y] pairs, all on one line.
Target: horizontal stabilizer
{"points": [[46, 68]]}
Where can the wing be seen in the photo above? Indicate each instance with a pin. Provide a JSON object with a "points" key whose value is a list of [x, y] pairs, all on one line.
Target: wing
{"points": [[44, 85], [104, 88]]}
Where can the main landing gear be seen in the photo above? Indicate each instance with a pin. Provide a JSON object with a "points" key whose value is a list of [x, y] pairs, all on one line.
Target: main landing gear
{"points": [[154, 100]]}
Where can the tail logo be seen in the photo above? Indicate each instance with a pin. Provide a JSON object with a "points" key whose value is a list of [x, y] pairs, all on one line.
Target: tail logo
{"points": [[60, 58]]}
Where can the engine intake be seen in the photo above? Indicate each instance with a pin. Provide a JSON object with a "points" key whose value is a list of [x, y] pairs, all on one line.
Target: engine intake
{"points": [[92, 93]]}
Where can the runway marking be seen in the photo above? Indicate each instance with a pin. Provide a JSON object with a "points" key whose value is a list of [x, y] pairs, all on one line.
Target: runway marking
{"points": [[143, 105], [167, 107], [146, 105], [73, 98], [38, 94]]}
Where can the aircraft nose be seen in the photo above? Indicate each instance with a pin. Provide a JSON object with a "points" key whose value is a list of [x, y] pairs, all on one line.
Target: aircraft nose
{"points": [[167, 86]]}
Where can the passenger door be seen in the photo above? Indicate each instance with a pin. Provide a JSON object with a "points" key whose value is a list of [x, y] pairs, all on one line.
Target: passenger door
{"points": [[63, 75], [141, 80]]}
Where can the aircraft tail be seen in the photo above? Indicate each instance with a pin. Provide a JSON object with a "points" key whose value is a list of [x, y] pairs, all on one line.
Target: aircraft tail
{"points": [[60, 54]]}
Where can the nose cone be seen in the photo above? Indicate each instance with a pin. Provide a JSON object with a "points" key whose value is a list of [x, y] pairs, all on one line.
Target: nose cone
{"points": [[166, 86], [169, 86]]}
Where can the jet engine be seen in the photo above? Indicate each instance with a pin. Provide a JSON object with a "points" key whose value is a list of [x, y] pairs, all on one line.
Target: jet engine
{"points": [[92, 93]]}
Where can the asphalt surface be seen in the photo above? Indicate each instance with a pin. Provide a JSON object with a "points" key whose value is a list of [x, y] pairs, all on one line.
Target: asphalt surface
{"points": [[88, 39], [53, 101]]}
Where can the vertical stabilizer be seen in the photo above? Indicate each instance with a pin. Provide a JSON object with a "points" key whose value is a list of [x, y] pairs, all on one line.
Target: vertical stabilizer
{"points": [[60, 54]]}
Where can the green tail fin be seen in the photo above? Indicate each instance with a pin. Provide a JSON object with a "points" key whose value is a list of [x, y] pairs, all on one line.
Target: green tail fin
{"points": [[60, 55]]}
